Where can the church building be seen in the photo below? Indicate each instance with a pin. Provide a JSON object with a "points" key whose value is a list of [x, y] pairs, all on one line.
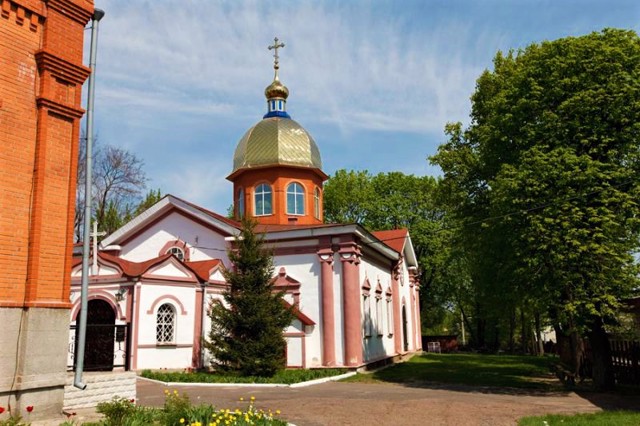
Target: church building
{"points": [[355, 292]]}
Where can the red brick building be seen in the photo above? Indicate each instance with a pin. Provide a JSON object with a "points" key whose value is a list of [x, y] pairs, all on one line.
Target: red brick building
{"points": [[41, 77]]}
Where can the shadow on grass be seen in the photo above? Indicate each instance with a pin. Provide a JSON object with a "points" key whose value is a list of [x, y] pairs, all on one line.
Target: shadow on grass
{"points": [[495, 374], [498, 374]]}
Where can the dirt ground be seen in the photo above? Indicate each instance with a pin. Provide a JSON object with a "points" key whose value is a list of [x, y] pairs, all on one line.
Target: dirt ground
{"points": [[389, 404]]}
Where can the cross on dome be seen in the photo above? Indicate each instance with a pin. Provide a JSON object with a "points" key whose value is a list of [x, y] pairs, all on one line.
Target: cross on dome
{"points": [[276, 93], [276, 63]]}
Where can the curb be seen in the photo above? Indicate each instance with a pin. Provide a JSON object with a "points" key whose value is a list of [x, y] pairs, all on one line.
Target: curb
{"points": [[255, 385]]}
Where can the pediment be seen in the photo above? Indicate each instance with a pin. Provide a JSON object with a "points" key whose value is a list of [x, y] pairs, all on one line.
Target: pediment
{"points": [[284, 282], [105, 269], [171, 268]]}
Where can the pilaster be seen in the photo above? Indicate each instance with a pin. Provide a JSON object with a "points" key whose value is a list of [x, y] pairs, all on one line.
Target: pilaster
{"points": [[328, 315], [349, 253]]}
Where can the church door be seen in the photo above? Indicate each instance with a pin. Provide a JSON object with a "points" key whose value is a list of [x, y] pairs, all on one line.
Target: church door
{"points": [[98, 353], [405, 338]]}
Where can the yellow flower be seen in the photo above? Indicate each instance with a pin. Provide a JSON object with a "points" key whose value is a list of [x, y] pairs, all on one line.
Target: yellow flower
{"points": [[181, 420], [241, 399], [253, 398], [277, 411]]}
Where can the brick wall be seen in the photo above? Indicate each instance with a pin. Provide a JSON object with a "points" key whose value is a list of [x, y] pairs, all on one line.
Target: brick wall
{"points": [[41, 77]]}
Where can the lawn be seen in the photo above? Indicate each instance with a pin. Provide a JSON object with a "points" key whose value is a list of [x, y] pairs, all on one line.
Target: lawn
{"points": [[282, 377], [605, 418], [470, 369]]}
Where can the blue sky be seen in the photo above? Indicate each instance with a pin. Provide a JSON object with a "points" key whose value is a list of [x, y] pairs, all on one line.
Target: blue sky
{"points": [[374, 82]]}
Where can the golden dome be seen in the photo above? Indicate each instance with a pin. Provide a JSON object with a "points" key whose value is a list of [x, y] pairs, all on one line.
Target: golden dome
{"points": [[276, 90], [276, 141]]}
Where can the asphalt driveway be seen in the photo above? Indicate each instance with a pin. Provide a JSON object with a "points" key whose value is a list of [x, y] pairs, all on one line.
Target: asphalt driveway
{"points": [[338, 403]]}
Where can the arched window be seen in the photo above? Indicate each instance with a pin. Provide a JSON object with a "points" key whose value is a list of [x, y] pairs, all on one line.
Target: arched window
{"points": [[177, 252], [316, 203], [263, 203], [240, 203], [295, 199], [166, 324]]}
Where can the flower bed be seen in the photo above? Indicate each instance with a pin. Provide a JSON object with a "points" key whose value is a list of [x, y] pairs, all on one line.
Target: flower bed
{"points": [[178, 410]]}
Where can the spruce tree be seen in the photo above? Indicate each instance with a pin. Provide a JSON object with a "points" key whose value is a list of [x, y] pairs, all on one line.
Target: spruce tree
{"points": [[246, 335]]}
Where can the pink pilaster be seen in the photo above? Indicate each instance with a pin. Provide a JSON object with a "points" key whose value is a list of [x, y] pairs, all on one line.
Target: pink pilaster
{"points": [[413, 279], [350, 258], [328, 315], [196, 362], [397, 313], [418, 322]]}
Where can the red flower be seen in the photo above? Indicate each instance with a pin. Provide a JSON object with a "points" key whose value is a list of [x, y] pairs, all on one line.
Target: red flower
{"points": [[29, 408], [132, 400], [1, 410]]}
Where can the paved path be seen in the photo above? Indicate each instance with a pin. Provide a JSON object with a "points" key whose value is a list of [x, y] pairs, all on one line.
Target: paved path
{"points": [[390, 404]]}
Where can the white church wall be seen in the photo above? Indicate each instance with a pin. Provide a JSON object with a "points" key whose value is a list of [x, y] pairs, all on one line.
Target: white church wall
{"points": [[175, 354], [378, 344], [210, 298], [405, 294], [204, 243], [305, 268]]}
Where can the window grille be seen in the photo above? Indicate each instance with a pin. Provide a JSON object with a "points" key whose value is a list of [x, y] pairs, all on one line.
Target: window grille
{"points": [[177, 252], [165, 324]]}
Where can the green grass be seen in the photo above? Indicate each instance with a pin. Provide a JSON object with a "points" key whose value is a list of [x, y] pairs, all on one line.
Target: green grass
{"points": [[605, 418], [283, 377], [469, 369]]}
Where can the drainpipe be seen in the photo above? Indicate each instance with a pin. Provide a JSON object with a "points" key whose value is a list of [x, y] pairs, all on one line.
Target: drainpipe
{"points": [[82, 329]]}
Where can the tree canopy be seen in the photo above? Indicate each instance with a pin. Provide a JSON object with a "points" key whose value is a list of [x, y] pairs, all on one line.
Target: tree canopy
{"points": [[119, 181], [544, 181], [392, 201]]}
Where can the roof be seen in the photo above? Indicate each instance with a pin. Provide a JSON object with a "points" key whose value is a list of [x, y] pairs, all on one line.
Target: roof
{"points": [[166, 204], [276, 141], [202, 269], [298, 313], [394, 238]]}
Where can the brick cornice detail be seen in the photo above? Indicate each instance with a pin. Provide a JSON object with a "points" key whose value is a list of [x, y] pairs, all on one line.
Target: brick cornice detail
{"points": [[59, 108], [72, 10], [61, 68], [34, 6]]}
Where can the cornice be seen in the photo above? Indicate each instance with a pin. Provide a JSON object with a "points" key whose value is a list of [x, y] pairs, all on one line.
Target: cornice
{"points": [[62, 68], [72, 9], [59, 108]]}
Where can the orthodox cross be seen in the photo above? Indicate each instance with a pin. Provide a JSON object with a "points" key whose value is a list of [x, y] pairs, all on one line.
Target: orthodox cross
{"points": [[95, 234], [276, 46]]}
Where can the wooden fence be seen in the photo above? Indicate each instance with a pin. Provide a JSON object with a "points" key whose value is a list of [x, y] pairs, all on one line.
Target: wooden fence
{"points": [[625, 356]]}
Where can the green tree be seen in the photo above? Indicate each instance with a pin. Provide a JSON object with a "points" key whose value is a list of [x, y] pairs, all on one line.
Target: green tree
{"points": [[348, 197], [544, 181], [393, 201], [246, 336]]}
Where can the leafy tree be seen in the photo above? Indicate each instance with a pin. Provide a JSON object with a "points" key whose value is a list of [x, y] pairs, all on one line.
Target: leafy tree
{"points": [[544, 181], [246, 336], [348, 197], [392, 201]]}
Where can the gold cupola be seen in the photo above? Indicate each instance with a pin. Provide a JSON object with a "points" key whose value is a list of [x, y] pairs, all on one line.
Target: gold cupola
{"points": [[277, 170], [276, 139]]}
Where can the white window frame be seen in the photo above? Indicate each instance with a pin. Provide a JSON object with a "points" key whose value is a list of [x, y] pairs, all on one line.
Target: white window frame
{"points": [[177, 252], [166, 326], [297, 208], [260, 192]]}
